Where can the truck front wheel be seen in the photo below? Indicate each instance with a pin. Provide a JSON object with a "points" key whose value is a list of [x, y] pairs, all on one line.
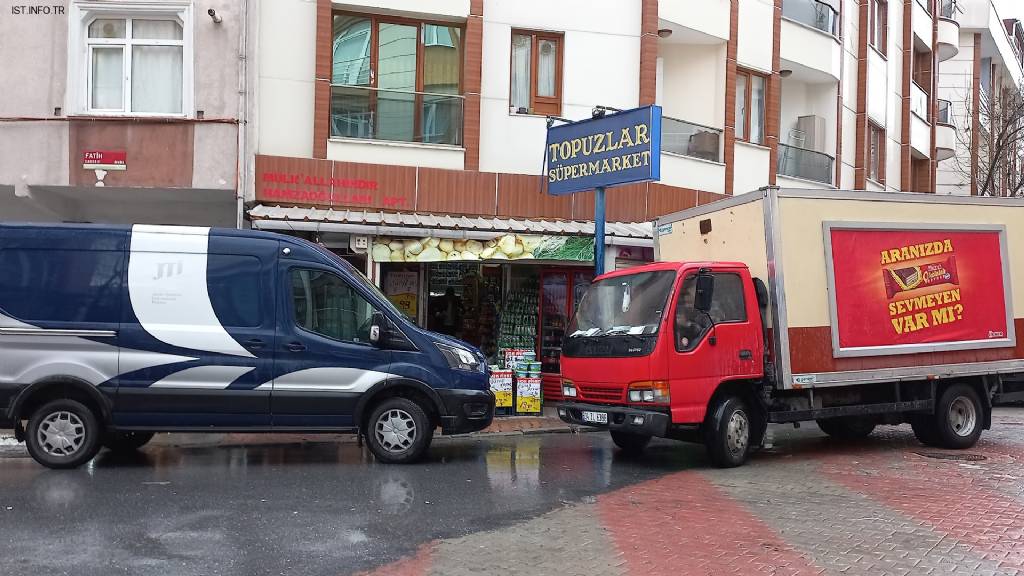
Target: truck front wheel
{"points": [[958, 417], [630, 443], [847, 428], [727, 431]]}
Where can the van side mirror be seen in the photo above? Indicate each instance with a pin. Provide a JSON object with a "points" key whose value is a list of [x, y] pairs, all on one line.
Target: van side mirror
{"points": [[705, 291], [377, 323]]}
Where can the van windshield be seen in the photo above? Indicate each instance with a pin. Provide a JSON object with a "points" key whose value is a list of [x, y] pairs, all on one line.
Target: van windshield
{"points": [[631, 304]]}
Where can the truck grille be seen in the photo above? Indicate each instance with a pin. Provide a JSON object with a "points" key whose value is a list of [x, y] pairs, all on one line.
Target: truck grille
{"points": [[606, 393]]}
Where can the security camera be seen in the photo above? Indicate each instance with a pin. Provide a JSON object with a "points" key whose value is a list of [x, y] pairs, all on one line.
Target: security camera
{"points": [[213, 14]]}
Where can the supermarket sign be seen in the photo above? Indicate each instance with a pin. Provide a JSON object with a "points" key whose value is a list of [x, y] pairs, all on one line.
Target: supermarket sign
{"points": [[619, 148], [504, 247]]}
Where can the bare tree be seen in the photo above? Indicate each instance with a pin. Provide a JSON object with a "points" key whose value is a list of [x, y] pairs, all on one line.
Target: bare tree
{"points": [[1000, 141]]}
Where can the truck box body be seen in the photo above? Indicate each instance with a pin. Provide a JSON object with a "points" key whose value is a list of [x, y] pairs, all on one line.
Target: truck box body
{"points": [[880, 250]]}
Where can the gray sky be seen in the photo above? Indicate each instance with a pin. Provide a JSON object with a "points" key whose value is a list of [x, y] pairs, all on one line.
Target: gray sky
{"points": [[1010, 8]]}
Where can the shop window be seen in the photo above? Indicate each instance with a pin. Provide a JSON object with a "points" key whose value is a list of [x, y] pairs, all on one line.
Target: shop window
{"points": [[878, 24], [876, 156], [536, 76], [750, 97], [135, 65], [325, 304], [727, 305], [396, 80]]}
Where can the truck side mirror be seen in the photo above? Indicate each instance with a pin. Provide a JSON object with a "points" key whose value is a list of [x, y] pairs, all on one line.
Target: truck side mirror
{"points": [[705, 291], [377, 324]]}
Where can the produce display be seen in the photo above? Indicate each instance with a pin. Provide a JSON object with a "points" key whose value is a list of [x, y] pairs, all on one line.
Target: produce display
{"points": [[506, 247]]}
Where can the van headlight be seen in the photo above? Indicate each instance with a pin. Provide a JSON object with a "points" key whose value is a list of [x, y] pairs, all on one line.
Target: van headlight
{"points": [[461, 359]]}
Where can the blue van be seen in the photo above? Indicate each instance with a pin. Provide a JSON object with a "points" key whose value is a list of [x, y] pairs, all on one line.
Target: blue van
{"points": [[109, 334]]}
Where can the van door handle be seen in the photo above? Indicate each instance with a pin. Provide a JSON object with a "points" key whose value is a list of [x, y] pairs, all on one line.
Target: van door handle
{"points": [[295, 346], [254, 343], [746, 355]]}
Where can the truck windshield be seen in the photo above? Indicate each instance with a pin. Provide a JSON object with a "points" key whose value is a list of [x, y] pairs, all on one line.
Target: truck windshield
{"points": [[631, 304]]}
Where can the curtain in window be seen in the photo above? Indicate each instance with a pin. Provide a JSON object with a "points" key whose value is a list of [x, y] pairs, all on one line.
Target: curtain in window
{"points": [[547, 67], [757, 109], [741, 107], [441, 116], [107, 78], [520, 93], [156, 79]]}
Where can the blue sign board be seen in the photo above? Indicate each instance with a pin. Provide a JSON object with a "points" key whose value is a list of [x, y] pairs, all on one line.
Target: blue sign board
{"points": [[619, 148]]}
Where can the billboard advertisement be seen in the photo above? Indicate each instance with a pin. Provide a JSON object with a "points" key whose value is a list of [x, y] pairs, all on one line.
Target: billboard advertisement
{"points": [[620, 148], [905, 288]]}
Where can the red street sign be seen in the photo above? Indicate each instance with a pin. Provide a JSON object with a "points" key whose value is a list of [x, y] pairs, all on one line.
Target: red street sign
{"points": [[108, 159]]}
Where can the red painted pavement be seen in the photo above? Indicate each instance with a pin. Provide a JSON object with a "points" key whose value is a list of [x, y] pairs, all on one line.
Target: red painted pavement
{"points": [[683, 525], [419, 564]]}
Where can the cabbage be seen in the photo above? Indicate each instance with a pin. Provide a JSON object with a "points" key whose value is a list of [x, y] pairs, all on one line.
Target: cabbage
{"points": [[398, 256], [455, 255], [507, 243], [431, 242], [413, 247], [474, 246], [446, 245], [467, 255], [396, 245], [431, 254], [381, 253], [488, 252], [460, 245]]}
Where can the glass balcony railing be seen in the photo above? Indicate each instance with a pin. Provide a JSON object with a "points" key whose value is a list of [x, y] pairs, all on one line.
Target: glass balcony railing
{"points": [[812, 13], [948, 9], [394, 115], [918, 101], [688, 139], [945, 112], [806, 164]]}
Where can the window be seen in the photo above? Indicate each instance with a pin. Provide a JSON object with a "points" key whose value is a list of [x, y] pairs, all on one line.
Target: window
{"points": [[135, 65], [396, 80], [234, 287], [536, 86], [878, 24], [876, 161], [326, 305], [750, 95], [61, 285], [727, 305]]}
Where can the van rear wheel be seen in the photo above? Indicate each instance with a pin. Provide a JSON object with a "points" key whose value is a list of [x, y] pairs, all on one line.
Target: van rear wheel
{"points": [[63, 434], [398, 431]]}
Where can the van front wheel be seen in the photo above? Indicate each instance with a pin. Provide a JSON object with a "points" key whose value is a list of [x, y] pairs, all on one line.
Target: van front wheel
{"points": [[727, 432], [63, 434], [398, 431]]}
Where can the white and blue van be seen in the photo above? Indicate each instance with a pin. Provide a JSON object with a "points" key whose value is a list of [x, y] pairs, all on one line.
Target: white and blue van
{"points": [[111, 333]]}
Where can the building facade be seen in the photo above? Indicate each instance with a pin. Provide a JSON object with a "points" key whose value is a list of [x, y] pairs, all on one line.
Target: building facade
{"points": [[124, 111]]}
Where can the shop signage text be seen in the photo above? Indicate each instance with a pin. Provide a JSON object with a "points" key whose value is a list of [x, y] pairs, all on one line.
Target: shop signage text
{"points": [[105, 160], [37, 9], [312, 189], [621, 148]]}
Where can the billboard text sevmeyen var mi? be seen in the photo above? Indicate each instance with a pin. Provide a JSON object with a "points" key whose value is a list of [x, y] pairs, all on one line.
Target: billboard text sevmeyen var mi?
{"points": [[618, 149]]}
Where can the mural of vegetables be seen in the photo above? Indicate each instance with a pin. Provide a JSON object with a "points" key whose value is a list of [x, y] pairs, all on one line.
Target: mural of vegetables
{"points": [[506, 247]]}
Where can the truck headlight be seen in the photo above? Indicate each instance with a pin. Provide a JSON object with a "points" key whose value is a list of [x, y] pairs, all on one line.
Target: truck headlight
{"points": [[460, 359], [568, 389], [650, 392]]}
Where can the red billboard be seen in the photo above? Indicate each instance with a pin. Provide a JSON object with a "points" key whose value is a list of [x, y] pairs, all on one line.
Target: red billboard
{"points": [[898, 290]]}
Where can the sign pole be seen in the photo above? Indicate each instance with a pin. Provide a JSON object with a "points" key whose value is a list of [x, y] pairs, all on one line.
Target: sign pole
{"points": [[599, 230]]}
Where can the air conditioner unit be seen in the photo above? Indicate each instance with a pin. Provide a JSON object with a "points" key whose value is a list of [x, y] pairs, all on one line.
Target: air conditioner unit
{"points": [[813, 128]]}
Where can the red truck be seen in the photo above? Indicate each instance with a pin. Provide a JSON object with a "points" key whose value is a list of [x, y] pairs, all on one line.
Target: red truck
{"points": [[851, 309]]}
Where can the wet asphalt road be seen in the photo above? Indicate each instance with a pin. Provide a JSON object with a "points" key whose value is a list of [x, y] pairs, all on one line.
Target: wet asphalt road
{"points": [[319, 508]]}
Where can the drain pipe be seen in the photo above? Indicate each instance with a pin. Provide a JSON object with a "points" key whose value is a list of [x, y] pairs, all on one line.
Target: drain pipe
{"points": [[243, 113]]}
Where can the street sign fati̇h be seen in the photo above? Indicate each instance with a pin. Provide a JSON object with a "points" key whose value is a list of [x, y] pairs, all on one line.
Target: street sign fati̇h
{"points": [[619, 148]]}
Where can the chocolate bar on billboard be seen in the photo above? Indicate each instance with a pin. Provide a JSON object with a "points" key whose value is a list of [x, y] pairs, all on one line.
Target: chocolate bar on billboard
{"points": [[923, 275]]}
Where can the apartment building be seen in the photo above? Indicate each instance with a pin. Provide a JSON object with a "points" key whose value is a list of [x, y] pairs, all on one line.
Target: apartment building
{"points": [[123, 111]]}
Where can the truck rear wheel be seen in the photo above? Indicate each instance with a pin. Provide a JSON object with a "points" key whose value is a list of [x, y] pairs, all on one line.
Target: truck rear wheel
{"points": [[727, 431], [847, 428], [630, 443], [399, 431], [63, 434], [958, 417]]}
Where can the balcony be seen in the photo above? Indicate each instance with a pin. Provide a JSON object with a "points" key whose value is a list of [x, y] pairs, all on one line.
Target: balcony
{"points": [[809, 38], [689, 139], [921, 24], [918, 101], [920, 128], [365, 113], [805, 164], [948, 45], [709, 22], [945, 132]]}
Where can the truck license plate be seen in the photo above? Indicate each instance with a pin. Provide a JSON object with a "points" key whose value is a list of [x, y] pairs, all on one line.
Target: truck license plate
{"points": [[595, 417]]}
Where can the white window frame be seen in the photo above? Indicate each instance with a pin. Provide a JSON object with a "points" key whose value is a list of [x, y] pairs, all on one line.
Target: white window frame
{"points": [[80, 46]]}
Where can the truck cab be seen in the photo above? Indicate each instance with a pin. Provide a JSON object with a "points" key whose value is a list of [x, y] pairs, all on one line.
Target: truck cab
{"points": [[651, 348]]}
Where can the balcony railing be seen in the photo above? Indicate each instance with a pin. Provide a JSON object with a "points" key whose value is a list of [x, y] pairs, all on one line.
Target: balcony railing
{"points": [[948, 9], [918, 101], [689, 139], [812, 13], [945, 112], [394, 115], [806, 164]]}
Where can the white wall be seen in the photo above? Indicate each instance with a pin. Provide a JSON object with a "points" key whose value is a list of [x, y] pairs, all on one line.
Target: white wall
{"points": [[685, 66], [921, 24], [878, 88], [396, 153], [287, 64], [955, 82], [692, 173], [751, 170], [811, 48], [920, 136], [755, 30], [601, 66], [801, 99], [436, 9], [708, 16]]}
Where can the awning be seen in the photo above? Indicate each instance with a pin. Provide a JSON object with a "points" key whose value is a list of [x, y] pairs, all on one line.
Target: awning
{"points": [[439, 226]]}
